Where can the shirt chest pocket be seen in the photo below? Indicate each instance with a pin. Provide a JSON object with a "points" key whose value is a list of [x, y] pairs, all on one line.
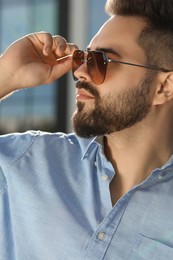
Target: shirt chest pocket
{"points": [[147, 248]]}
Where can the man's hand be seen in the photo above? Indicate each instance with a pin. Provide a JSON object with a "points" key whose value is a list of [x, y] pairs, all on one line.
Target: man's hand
{"points": [[34, 60]]}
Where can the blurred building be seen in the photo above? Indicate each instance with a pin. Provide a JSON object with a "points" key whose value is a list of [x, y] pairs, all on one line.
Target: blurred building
{"points": [[47, 108]]}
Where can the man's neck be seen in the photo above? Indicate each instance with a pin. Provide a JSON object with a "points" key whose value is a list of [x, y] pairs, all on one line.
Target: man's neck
{"points": [[134, 154]]}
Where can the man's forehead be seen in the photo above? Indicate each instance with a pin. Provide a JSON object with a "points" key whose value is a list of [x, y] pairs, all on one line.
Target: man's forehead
{"points": [[119, 33]]}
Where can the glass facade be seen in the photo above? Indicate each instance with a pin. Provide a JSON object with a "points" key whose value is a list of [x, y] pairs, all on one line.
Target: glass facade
{"points": [[97, 16], [33, 108]]}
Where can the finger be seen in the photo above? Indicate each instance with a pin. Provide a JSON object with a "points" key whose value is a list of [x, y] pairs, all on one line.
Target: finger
{"points": [[64, 64], [46, 40], [70, 48], [59, 45], [65, 49]]}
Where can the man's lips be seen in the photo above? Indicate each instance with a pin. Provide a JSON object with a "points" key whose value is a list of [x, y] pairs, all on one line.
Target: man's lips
{"points": [[83, 94]]}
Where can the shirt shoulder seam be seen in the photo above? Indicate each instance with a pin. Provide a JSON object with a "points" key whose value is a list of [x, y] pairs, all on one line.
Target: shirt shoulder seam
{"points": [[19, 156]]}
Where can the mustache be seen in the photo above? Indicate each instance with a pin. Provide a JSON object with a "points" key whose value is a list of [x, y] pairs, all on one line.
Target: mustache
{"points": [[92, 90]]}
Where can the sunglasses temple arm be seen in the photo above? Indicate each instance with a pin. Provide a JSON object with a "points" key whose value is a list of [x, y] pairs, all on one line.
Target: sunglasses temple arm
{"points": [[64, 57], [142, 66]]}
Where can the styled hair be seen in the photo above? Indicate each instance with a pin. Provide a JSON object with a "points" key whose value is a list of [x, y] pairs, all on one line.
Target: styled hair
{"points": [[157, 37]]}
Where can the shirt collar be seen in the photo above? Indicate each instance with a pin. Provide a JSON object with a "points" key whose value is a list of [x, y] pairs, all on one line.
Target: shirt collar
{"points": [[168, 163], [87, 144]]}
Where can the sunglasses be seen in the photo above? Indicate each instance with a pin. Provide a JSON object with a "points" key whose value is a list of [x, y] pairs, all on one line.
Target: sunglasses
{"points": [[97, 63]]}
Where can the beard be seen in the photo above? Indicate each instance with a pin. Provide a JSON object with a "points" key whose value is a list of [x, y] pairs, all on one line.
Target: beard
{"points": [[113, 113]]}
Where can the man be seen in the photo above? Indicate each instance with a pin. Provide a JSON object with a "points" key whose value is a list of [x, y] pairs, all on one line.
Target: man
{"points": [[106, 191]]}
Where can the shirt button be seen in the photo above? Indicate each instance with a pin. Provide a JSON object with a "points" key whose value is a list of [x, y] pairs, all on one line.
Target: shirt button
{"points": [[104, 177], [160, 177], [101, 236]]}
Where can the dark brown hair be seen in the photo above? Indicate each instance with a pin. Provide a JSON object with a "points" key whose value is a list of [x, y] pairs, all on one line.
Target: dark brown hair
{"points": [[157, 37]]}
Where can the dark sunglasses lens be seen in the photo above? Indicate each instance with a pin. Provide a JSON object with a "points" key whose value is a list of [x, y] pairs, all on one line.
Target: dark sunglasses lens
{"points": [[97, 64], [77, 61]]}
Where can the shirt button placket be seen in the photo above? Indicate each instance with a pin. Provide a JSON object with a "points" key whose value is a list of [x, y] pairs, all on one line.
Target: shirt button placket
{"points": [[104, 177]]}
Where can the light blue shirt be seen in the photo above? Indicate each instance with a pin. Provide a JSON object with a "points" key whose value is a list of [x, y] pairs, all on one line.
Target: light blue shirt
{"points": [[55, 203]]}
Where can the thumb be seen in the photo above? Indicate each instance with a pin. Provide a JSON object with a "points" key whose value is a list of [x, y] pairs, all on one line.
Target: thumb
{"points": [[63, 65]]}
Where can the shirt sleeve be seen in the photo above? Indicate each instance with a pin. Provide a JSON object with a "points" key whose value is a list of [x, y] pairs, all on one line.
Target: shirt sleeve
{"points": [[13, 146]]}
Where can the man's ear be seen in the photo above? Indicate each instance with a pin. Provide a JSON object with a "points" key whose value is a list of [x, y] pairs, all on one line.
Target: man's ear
{"points": [[164, 90]]}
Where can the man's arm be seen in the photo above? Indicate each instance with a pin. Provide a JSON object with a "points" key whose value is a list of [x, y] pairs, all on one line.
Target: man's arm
{"points": [[34, 60]]}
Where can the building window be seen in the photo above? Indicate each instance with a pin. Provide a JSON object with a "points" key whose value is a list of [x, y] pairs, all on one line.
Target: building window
{"points": [[35, 108]]}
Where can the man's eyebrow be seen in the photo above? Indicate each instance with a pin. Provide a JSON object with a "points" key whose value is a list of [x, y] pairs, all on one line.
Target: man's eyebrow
{"points": [[106, 50]]}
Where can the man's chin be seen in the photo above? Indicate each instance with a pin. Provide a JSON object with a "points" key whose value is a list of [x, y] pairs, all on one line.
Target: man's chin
{"points": [[85, 107], [84, 134], [80, 127]]}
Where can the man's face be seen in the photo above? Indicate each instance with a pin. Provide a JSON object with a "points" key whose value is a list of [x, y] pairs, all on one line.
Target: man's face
{"points": [[124, 98]]}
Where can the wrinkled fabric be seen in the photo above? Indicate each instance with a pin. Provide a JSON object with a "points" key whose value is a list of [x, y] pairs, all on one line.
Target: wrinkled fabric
{"points": [[55, 203]]}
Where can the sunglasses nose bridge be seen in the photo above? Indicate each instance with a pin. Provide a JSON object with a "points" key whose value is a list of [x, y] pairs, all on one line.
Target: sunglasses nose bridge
{"points": [[84, 60], [85, 57]]}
